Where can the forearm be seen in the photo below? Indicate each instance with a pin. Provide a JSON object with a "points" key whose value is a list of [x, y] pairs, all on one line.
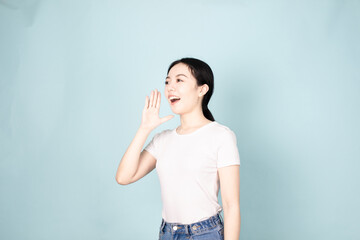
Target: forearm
{"points": [[232, 222], [130, 161]]}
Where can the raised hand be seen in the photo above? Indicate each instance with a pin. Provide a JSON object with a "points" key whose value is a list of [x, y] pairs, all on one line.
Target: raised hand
{"points": [[150, 115]]}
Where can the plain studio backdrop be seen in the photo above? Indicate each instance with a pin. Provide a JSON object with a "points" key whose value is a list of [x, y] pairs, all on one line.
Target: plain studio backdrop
{"points": [[74, 76]]}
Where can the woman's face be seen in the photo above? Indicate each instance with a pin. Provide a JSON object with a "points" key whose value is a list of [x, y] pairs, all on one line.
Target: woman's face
{"points": [[181, 90]]}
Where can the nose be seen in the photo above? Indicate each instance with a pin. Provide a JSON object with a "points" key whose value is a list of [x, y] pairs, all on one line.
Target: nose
{"points": [[170, 87]]}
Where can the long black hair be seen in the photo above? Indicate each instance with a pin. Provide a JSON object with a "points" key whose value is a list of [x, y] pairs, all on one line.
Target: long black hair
{"points": [[203, 75]]}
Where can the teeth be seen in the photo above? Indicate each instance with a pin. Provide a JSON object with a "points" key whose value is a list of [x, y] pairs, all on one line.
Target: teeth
{"points": [[172, 98]]}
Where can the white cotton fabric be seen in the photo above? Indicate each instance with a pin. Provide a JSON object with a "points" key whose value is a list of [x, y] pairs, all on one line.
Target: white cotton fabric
{"points": [[187, 169]]}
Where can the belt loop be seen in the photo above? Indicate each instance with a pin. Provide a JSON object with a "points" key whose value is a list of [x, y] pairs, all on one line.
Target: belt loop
{"points": [[221, 219], [162, 225], [187, 229]]}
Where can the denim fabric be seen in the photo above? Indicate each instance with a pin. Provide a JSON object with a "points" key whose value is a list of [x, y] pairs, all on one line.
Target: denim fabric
{"points": [[209, 229]]}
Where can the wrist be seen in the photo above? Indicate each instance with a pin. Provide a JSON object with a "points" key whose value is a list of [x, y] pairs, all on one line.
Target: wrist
{"points": [[145, 129]]}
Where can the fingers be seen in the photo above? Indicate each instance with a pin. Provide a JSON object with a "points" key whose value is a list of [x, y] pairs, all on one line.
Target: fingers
{"points": [[146, 102], [154, 100], [158, 100], [151, 99]]}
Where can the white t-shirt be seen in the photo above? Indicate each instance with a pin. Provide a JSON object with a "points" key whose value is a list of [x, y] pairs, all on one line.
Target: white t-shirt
{"points": [[187, 168]]}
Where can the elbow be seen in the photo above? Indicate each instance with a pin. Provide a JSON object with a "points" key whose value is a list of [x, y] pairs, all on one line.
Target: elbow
{"points": [[122, 181], [231, 205]]}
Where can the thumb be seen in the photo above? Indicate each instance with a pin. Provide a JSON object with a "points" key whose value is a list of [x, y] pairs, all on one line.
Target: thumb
{"points": [[167, 118]]}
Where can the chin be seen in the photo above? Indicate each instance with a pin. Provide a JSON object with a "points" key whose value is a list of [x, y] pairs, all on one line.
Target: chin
{"points": [[177, 111]]}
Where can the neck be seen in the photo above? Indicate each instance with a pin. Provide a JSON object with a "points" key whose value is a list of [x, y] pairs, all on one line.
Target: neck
{"points": [[193, 119]]}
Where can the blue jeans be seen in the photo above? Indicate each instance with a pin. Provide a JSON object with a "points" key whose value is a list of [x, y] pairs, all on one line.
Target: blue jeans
{"points": [[209, 229]]}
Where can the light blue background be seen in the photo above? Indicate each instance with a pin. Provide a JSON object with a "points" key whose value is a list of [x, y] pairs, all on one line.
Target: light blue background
{"points": [[74, 76]]}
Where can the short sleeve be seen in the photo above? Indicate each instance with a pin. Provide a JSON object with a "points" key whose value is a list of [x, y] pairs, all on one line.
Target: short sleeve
{"points": [[152, 146], [228, 153]]}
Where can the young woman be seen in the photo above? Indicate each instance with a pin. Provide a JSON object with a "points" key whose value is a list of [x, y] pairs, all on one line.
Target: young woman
{"points": [[192, 160]]}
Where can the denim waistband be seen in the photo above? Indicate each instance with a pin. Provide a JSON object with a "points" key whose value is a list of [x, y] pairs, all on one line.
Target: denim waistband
{"points": [[192, 228]]}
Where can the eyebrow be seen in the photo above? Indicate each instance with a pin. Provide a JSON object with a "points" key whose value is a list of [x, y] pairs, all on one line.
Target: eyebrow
{"points": [[178, 75]]}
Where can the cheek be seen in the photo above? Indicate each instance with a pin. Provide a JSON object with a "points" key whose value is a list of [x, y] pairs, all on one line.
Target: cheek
{"points": [[191, 97]]}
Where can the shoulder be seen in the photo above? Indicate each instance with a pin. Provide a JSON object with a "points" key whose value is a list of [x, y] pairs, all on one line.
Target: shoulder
{"points": [[162, 134], [221, 130], [223, 135]]}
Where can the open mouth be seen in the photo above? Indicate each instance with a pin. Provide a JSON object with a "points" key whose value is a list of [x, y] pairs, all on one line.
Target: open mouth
{"points": [[174, 99]]}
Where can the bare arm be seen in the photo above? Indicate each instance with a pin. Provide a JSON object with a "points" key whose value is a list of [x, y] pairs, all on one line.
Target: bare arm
{"points": [[130, 161], [134, 163], [230, 195]]}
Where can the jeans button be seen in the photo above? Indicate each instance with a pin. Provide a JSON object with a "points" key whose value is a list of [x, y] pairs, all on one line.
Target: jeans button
{"points": [[175, 228]]}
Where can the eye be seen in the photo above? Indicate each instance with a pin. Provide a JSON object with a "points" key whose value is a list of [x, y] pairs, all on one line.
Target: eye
{"points": [[179, 80], [166, 82]]}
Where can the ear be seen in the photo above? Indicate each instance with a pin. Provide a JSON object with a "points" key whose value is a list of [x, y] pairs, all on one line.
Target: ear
{"points": [[203, 90]]}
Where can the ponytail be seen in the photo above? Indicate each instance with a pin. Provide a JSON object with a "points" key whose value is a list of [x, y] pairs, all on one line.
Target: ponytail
{"points": [[207, 113]]}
